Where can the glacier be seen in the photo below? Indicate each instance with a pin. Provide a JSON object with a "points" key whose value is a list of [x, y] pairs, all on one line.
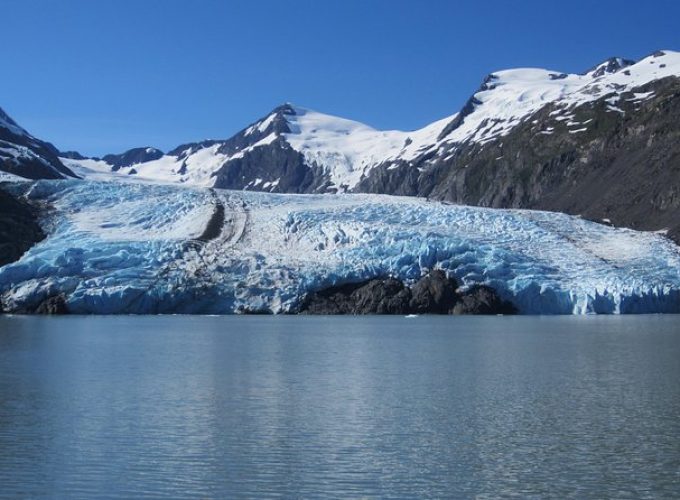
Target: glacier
{"points": [[133, 248]]}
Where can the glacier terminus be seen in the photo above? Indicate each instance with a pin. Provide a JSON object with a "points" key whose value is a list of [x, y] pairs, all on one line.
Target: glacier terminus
{"points": [[116, 248]]}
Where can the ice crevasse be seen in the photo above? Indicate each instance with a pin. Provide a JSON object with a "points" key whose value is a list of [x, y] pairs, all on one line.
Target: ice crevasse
{"points": [[148, 248]]}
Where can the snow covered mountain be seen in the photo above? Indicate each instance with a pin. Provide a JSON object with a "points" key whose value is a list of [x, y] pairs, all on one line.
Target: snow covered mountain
{"points": [[345, 152], [603, 145], [528, 138], [150, 248], [292, 149], [23, 155]]}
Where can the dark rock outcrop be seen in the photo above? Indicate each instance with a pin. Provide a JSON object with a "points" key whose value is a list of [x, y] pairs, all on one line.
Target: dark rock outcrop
{"points": [[279, 166], [132, 157], [19, 228], [184, 150], [434, 293], [376, 296], [72, 155], [23, 155], [55, 305], [482, 299], [611, 65], [216, 223]]}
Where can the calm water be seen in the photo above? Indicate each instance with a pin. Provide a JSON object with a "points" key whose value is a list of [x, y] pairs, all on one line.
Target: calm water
{"points": [[308, 407]]}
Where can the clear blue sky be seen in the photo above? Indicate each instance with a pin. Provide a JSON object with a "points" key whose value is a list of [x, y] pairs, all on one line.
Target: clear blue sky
{"points": [[105, 75]]}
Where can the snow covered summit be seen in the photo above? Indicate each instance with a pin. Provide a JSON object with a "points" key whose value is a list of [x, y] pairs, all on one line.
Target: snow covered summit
{"points": [[294, 149]]}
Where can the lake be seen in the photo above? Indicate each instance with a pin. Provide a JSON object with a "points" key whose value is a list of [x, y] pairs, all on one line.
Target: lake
{"points": [[342, 407]]}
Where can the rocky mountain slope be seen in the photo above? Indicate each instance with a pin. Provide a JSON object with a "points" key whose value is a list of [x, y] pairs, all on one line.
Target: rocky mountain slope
{"points": [[19, 228], [24, 155], [291, 150], [608, 150]]}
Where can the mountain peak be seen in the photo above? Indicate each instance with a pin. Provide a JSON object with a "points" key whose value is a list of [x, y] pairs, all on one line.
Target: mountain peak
{"points": [[132, 157], [287, 108], [7, 122], [72, 155], [610, 65]]}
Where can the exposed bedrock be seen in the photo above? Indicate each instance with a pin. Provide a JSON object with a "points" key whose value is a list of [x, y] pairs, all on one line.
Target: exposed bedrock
{"points": [[54, 305], [434, 293], [19, 229], [375, 296], [482, 299]]}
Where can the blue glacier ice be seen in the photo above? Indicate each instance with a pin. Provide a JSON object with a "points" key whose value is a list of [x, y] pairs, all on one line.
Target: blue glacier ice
{"points": [[117, 247]]}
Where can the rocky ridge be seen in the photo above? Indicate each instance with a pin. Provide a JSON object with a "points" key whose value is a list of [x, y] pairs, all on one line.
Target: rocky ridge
{"points": [[23, 155]]}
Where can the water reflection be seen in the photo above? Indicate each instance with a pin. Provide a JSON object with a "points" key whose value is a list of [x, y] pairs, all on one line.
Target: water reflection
{"points": [[247, 407]]}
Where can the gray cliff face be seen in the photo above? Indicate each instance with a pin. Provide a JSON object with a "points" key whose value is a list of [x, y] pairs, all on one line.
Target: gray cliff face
{"points": [[280, 168], [19, 228], [625, 165], [23, 155]]}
